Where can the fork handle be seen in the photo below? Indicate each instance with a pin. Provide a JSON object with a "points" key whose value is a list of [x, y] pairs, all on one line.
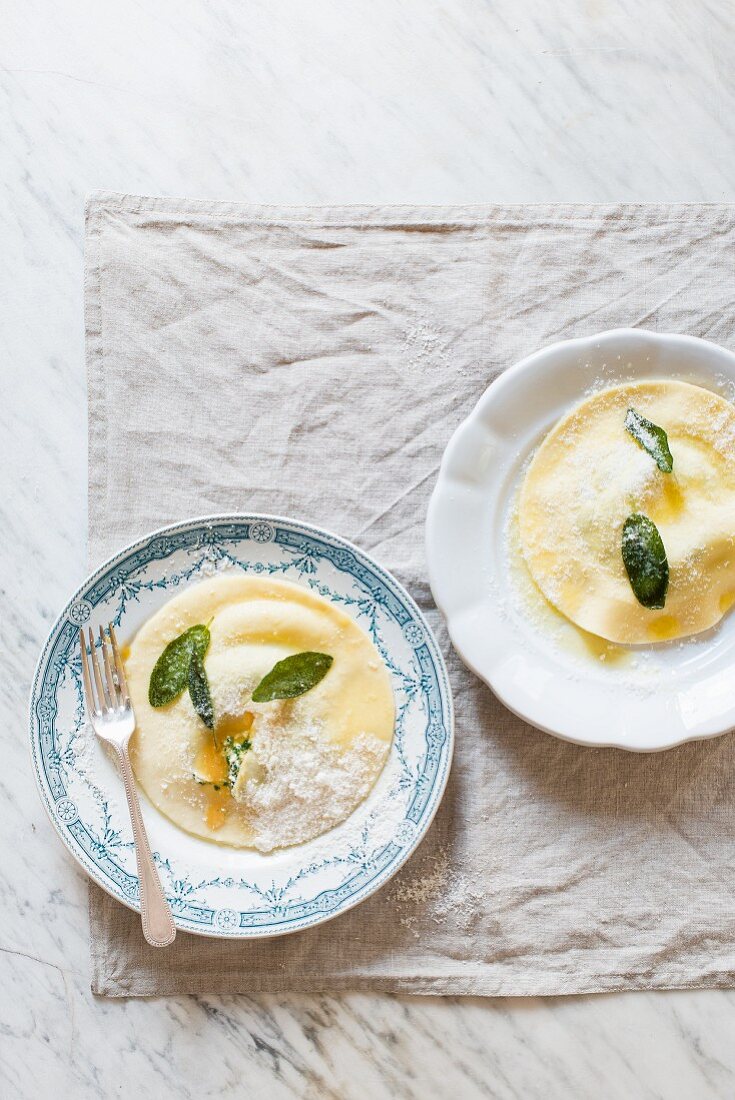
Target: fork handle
{"points": [[158, 924]]}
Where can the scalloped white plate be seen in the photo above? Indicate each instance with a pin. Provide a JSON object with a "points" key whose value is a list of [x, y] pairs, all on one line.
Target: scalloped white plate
{"points": [[215, 890], [671, 693]]}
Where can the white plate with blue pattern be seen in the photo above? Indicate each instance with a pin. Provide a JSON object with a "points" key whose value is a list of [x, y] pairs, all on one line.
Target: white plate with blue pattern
{"points": [[214, 890]]}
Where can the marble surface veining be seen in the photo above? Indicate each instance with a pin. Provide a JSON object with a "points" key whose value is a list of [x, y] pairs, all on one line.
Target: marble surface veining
{"points": [[423, 101]]}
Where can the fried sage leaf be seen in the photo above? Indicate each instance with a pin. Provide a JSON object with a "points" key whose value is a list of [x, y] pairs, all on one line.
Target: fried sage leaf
{"points": [[651, 438], [293, 676], [644, 558], [199, 690], [170, 674]]}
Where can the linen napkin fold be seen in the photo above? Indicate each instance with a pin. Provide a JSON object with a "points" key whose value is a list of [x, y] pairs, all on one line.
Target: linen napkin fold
{"points": [[314, 362]]}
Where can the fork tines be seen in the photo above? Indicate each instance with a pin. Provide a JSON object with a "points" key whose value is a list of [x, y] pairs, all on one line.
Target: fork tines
{"points": [[109, 692]]}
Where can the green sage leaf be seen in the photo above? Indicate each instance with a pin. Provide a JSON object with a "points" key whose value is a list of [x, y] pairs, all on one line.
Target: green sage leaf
{"points": [[293, 676], [644, 557], [170, 674], [651, 438], [199, 690]]}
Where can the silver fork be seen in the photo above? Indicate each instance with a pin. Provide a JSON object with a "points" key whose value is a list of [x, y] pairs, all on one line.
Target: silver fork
{"points": [[111, 714]]}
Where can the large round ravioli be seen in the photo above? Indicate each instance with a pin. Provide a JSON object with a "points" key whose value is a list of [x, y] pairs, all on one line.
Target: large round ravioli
{"points": [[590, 474], [305, 763]]}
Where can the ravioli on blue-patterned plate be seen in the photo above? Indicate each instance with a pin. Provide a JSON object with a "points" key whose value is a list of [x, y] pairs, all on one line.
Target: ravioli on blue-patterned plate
{"points": [[268, 772]]}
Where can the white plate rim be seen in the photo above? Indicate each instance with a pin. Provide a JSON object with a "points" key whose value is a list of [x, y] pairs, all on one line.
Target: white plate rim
{"points": [[447, 703], [439, 513]]}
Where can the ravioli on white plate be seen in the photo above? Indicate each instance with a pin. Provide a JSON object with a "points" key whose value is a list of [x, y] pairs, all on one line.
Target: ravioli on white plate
{"points": [[264, 713], [627, 512]]}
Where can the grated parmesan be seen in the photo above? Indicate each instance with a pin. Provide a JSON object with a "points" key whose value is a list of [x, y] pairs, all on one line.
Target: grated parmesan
{"points": [[299, 783]]}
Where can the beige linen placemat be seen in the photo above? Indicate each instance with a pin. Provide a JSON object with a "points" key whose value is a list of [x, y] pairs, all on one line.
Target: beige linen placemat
{"points": [[313, 363]]}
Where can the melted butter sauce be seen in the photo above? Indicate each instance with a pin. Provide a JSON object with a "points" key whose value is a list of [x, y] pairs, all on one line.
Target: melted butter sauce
{"points": [[234, 725], [217, 809], [663, 628], [727, 599], [609, 652], [211, 766], [668, 504], [210, 763]]}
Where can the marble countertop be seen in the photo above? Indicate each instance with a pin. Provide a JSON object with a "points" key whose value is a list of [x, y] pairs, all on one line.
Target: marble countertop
{"points": [[427, 102]]}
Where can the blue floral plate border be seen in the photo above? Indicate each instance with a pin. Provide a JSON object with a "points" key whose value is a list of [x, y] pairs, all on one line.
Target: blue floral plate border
{"points": [[213, 890]]}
